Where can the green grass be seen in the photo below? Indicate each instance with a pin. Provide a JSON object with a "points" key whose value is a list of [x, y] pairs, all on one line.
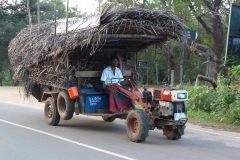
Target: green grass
{"points": [[7, 80], [201, 115], [8, 83], [207, 120]]}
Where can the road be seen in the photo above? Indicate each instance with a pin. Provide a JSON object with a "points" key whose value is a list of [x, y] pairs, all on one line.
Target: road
{"points": [[25, 135]]}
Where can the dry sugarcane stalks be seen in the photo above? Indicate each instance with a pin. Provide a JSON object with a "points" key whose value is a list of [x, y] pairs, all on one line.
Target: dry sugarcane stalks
{"points": [[43, 56]]}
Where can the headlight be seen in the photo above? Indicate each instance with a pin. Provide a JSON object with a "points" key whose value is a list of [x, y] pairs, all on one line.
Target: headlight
{"points": [[181, 95]]}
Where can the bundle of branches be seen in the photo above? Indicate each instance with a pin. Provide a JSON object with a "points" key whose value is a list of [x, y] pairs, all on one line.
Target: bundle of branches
{"points": [[41, 52]]}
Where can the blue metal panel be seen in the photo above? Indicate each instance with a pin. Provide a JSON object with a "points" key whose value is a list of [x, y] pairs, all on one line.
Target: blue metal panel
{"points": [[88, 90], [91, 100], [95, 102]]}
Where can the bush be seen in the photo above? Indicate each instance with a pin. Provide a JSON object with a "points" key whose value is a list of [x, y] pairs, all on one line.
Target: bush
{"points": [[200, 98], [221, 105], [6, 78]]}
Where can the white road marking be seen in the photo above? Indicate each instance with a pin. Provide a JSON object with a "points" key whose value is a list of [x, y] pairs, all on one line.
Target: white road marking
{"points": [[213, 133], [68, 140]]}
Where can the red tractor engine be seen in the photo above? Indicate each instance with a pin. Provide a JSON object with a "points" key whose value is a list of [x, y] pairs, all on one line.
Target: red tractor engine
{"points": [[171, 102], [169, 95]]}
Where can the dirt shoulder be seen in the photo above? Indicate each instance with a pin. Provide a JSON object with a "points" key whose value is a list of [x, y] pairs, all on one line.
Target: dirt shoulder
{"points": [[214, 125]]}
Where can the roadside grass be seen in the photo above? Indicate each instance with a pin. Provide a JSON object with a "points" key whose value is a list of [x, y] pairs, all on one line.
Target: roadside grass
{"points": [[208, 121], [7, 79], [7, 83]]}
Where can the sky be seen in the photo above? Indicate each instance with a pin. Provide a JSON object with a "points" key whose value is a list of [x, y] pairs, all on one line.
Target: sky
{"points": [[89, 6]]}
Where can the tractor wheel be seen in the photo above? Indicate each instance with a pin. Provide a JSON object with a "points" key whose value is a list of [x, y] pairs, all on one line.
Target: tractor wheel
{"points": [[174, 134], [137, 125], [108, 119], [65, 105], [51, 113]]}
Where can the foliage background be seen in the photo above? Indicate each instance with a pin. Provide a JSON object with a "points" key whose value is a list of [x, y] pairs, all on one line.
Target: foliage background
{"points": [[14, 17], [220, 105]]}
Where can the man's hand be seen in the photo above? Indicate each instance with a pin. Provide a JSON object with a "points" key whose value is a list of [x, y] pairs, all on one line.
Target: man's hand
{"points": [[104, 85], [124, 83]]}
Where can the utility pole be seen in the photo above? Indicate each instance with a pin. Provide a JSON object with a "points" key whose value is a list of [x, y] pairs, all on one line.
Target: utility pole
{"points": [[133, 3], [67, 16], [99, 5], [29, 13], [181, 76], [55, 16], [172, 79], [38, 15]]}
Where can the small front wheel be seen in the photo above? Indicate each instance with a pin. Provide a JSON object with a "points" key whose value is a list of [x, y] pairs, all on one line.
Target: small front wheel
{"points": [[174, 133], [51, 113], [108, 119], [137, 125]]}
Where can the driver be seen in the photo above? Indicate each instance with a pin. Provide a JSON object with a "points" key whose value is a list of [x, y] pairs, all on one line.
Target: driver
{"points": [[110, 72], [118, 101]]}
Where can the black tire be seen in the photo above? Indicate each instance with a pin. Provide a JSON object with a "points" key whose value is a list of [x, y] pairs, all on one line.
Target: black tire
{"points": [[65, 105], [174, 133], [51, 113], [137, 125], [108, 119]]}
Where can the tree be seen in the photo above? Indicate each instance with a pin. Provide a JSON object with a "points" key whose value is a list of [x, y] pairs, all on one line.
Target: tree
{"points": [[177, 53], [209, 18], [212, 22], [14, 17]]}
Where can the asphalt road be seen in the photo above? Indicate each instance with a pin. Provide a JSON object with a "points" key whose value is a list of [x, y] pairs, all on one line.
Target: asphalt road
{"points": [[25, 135]]}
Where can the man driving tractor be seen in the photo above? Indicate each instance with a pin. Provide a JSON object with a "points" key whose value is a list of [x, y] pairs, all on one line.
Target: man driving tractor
{"points": [[118, 101]]}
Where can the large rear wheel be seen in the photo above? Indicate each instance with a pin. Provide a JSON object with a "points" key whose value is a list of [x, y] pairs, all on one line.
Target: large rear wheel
{"points": [[174, 133], [65, 105], [51, 113], [137, 125]]}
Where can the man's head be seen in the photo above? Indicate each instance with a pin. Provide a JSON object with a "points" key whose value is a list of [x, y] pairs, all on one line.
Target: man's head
{"points": [[114, 61]]}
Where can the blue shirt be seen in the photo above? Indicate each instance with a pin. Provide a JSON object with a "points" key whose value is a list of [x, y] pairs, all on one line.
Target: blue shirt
{"points": [[107, 75]]}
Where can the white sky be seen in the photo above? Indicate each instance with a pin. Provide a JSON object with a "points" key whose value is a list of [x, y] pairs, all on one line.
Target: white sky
{"points": [[89, 6]]}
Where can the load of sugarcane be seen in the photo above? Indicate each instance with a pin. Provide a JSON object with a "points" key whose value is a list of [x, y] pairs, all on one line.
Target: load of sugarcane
{"points": [[38, 53]]}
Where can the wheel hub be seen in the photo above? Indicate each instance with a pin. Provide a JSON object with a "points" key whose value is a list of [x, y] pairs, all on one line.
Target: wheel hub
{"points": [[134, 125], [49, 111], [170, 129]]}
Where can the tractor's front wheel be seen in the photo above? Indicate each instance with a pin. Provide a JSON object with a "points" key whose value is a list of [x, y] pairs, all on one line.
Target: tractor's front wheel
{"points": [[137, 125], [174, 133], [108, 119]]}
